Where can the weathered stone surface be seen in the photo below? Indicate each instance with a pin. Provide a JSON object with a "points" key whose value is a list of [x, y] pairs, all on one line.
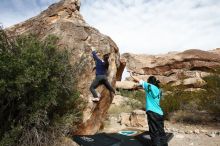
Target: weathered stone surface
{"points": [[179, 136], [191, 82], [163, 79], [138, 118], [194, 89], [195, 82], [119, 100], [174, 67], [196, 131], [189, 132], [163, 64], [212, 134], [124, 119], [63, 19], [203, 131]]}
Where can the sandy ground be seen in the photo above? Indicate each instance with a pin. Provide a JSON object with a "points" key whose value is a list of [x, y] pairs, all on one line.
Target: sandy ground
{"points": [[202, 138], [184, 134], [194, 140]]}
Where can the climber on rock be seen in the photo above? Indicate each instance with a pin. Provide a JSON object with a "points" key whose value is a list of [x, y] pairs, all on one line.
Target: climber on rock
{"points": [[154, 112], [101, 75]]}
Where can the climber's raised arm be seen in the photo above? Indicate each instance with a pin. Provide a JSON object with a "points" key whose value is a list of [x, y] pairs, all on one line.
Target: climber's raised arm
{"points": [[94, 54]]}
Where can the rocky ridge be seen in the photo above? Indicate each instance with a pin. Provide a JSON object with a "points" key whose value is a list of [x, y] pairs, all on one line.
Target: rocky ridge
{"points": [[187, 68]]}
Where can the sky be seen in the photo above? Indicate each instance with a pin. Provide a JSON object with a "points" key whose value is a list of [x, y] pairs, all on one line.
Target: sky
{"points": [[138, 26]]}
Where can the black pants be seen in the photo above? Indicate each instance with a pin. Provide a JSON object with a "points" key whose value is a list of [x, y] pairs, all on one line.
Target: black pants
{"points": [[99, 80], [156, 129]]}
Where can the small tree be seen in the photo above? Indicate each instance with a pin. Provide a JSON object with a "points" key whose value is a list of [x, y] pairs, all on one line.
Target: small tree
{"points": [[37, 91]]}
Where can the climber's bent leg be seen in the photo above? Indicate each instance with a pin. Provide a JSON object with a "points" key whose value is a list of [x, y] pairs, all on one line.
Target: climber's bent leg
{"points": [[108, 85], [94, 85]]}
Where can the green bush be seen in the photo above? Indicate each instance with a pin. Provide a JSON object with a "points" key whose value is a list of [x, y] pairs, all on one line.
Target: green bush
{"points": [[211, 100], [37, 91], [138, 96], [181, 100], [207, 100]]}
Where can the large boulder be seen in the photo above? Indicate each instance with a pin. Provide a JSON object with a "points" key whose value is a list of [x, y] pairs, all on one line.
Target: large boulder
{"points": [[120, 100], [64, 20], [124, 119], [191, 82], [136, 118]]}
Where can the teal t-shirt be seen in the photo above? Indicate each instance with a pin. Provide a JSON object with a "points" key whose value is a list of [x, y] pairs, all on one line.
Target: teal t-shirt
{"points": [[152, 97]]}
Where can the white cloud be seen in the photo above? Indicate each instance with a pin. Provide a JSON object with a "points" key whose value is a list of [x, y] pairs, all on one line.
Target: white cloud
{"points": [[156, 26]]}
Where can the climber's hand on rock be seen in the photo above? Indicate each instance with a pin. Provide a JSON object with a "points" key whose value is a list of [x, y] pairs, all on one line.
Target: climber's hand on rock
{"points": [[93, 49]]}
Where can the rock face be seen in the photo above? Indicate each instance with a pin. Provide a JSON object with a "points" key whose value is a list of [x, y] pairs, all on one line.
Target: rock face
{"points": [[63, 19], [136, 118], [119, 100], [189, 66], [191, 82]]}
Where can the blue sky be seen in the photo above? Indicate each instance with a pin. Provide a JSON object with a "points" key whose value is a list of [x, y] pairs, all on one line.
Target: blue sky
{"points": [[15, 11], [138, 26]]}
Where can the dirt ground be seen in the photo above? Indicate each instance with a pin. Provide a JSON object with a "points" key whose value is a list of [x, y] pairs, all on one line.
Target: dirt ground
{"points": [[194, 140], [195, 135], [184, 134]]}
